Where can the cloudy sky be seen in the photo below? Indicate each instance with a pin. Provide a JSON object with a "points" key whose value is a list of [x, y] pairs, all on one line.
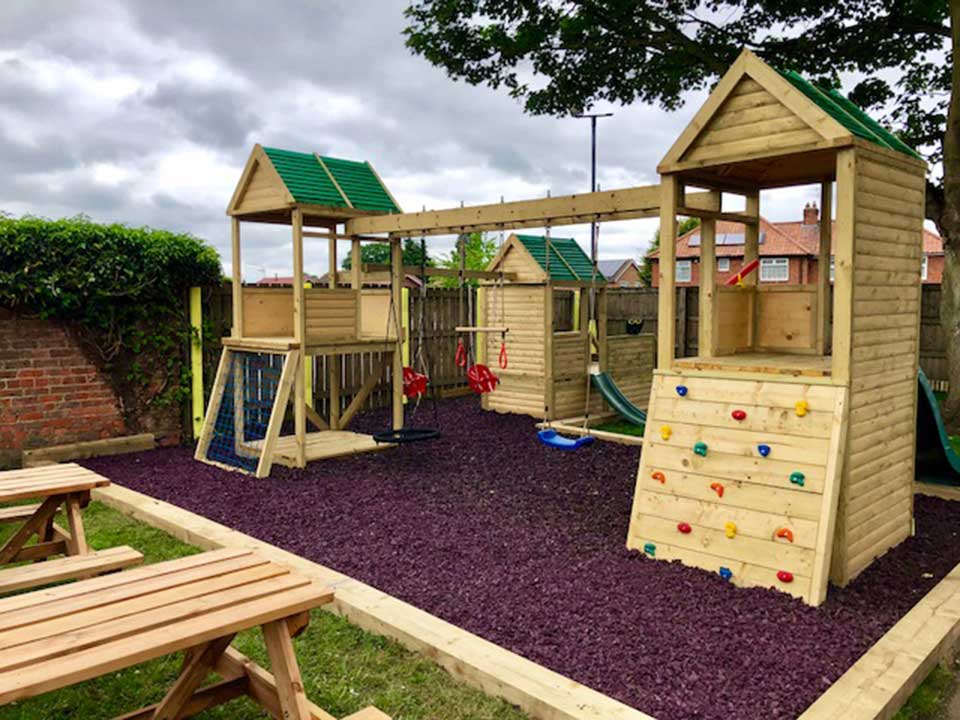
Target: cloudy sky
{"points": [[144, 113]]}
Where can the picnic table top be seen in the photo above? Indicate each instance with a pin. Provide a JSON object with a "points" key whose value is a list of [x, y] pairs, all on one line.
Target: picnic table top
{"points": [[67, 634], [48, 480]]}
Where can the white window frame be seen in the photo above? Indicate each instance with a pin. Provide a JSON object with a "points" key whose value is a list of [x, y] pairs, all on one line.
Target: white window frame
{"points": [[687, 274], [775, 269], [924, 267], [723, 264]]}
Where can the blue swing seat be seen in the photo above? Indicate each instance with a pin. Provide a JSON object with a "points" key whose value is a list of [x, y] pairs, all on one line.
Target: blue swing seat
{"points": [[550, 438]]}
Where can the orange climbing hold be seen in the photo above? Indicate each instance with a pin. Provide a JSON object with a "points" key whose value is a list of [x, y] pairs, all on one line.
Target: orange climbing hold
{"points": [[785, 533], [717, 488], [659, 477]]}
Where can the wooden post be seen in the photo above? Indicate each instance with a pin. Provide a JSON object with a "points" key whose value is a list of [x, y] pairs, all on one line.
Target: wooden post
{"points": [[666, 296], [843, 264], [751, 252], [707, 335], [196, 359], [333, 364], [237, 284], [356, 280], [681, 349], [396, 278], [577, 324], [823, 265], [405, 327], [482, 315], [300, 335], [548, 389]]}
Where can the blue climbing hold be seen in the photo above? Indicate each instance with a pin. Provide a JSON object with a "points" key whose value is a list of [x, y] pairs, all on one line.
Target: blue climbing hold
{"points": [[764, 450], [725, 573], [650, 549], [682, 390], [700, 449], [797, 478]]}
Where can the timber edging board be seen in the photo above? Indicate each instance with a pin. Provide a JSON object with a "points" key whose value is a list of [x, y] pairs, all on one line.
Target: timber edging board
{"points": [[88, 449], [540, 692]]}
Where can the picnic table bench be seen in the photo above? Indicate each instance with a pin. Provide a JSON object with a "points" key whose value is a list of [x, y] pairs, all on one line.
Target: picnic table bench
{"points": [[59, 636], [57, 487]]}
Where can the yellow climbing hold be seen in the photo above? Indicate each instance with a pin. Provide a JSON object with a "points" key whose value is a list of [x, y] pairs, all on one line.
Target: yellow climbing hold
{"points": [[666, 432], [801, 407], [730, 529]]}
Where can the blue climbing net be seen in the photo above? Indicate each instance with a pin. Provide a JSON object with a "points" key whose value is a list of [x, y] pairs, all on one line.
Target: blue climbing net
{"points": [[252, 380]]}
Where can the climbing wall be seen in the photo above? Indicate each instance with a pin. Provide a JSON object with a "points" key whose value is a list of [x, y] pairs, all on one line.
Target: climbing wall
{"points": [[741, 477]]}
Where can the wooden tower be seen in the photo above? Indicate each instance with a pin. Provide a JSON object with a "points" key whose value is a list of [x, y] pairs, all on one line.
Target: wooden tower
{"points": [[783, 454]]}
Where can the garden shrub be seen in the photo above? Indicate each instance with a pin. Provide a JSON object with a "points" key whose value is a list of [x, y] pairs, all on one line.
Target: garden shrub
{"points": [[121, 290]]}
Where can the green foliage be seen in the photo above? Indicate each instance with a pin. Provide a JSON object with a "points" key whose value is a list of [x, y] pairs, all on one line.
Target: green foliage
{"points": [[480, 250], [122, 289], [930, 699], [379, 254], [646, 268]]}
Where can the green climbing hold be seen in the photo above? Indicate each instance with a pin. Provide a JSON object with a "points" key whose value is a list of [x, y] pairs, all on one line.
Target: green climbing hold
{"points": [[650, 549], [700, 449], [797, 478]]}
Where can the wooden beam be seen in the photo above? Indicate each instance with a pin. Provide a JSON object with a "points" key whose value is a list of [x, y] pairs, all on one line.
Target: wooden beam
{"points": [[666, 304], [823, 265], [362, 394], [843, 254], [623, 204], [291, 366], [744, 218], [236, 285], [442, 272], [751, 252]]}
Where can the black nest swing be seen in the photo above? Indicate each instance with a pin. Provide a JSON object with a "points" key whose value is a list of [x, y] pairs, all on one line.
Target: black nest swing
{"points": [[401, 436]]}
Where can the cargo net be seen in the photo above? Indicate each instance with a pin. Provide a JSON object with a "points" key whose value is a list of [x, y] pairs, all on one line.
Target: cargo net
{"points": [[249, 394]]}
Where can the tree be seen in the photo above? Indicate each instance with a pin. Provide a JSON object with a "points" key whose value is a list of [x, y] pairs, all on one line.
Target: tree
{"points": [[646, 269], [379, 254], [480, 250], [563, 56]]}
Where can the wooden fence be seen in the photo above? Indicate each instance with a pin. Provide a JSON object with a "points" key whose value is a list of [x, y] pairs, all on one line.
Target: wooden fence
{"points": [[441, 314]]}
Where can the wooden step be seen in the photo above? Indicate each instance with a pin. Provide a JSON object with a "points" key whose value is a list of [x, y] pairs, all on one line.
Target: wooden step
{"points": [[68, 568], [368, 713], [16, 513]]}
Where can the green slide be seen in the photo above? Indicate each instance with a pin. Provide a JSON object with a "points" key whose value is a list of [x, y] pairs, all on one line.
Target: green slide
{"points": [[937, 461], [617, 400]]}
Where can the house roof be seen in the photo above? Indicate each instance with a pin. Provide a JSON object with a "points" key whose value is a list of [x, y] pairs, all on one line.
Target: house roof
{"points": [[568, 261], [334, 182], [780, 239], [610, 269]]}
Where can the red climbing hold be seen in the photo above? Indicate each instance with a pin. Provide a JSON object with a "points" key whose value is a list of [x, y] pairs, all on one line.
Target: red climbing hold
{"points": [[659, 477], [784, 576], [739, 415], [717, 488], [684, 527]]}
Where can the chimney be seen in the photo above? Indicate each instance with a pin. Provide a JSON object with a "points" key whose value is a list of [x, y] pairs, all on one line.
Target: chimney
{"points": [[811, 216]]}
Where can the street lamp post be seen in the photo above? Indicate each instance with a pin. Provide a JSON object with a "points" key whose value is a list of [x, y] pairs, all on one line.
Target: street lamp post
{"points": [[593, 174]]}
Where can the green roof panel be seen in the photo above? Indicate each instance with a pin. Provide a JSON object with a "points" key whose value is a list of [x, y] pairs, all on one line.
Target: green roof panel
{"points": [[361, 184], [305, 178], [568, 261]]}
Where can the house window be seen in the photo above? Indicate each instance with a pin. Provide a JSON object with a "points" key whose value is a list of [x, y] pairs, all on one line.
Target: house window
{"points": [[774, 269], [923, 268], [684, 271], [723, 264]]}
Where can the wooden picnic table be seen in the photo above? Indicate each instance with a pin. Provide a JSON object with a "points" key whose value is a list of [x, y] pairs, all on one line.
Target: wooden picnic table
{"points": [[64, 486], [70, 633]]}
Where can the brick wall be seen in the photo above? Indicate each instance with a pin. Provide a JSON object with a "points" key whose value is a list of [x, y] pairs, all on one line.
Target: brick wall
{"points": [[50, 393]]}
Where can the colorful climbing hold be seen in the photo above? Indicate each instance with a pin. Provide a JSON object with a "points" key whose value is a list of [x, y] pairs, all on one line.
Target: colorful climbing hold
{"points": [[764, 450], [785, 533], [717, 488], [684, 527], [659, 477], [739, 415], [666, 432], [797, 478], [682, 390], [784, 576], [801, 407], [726, 573], [730, 529], [650, 549], [700, 449]]}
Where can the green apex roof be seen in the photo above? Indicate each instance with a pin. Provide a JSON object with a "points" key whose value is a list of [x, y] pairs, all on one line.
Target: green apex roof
{"points": [[568, 261], [849, 115], [314, 179]]}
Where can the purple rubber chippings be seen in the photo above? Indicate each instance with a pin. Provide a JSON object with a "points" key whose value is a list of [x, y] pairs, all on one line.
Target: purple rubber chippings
{"points": [[524, 546]]}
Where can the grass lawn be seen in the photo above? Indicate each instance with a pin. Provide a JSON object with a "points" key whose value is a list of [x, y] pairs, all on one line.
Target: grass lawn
{"points": [[622, 427], [344, 668]]}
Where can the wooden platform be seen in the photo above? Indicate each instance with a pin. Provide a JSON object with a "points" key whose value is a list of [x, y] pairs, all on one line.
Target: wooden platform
{"points": [[766, 363], [323, 445], [314, 346]]}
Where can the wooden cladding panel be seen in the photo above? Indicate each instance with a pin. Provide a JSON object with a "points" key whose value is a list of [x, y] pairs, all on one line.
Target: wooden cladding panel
{"points": [[734, 313], [267, 312], [521, 309], [757, 494], [331, 313], [876, 507], [787, 318]]}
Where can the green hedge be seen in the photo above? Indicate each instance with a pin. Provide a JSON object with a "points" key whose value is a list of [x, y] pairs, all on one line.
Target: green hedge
{"points": [[122, 289]]}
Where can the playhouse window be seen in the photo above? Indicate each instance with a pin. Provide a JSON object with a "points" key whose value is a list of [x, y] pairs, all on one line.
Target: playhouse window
{"points": [[723, 264], [774, 270], [684, 271]]}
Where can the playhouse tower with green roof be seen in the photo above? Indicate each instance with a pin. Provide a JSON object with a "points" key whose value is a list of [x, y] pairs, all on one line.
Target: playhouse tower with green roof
{"points": [[550, 346], [268, 360], [783, 454]]}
